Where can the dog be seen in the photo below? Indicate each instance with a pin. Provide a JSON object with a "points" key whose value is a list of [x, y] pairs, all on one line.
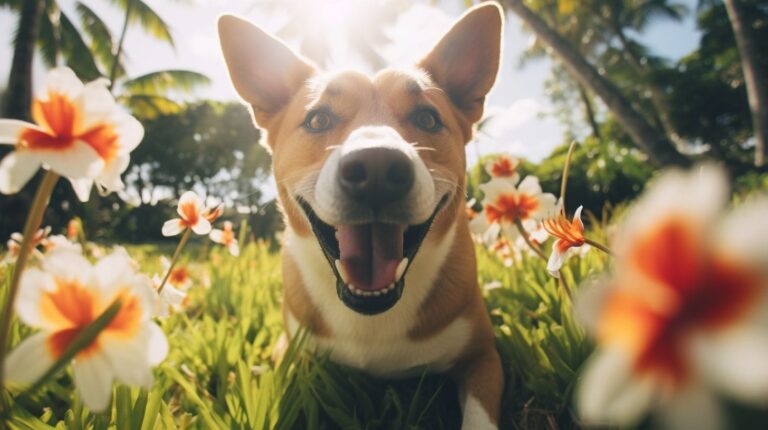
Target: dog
{"points": [[378, 262]]}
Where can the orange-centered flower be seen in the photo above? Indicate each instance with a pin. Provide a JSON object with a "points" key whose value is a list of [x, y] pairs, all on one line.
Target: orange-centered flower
{"points": [[79, 132], [227, 238], [503, 166], [504, 205], [567, 234], [192, 212], [65, 297], [686, 312]]}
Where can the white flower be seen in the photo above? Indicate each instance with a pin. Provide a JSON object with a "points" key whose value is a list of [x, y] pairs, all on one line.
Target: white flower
{"points": [[227, 238], [568, 236], [59, 241], [504, 205], [65, 296], [685, 316], [193, 215], [170, 298], [503, 166], [81, 133]]}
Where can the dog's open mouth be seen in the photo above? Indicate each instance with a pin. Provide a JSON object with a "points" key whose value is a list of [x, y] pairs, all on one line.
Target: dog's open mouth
{"points": [[369, 260]]}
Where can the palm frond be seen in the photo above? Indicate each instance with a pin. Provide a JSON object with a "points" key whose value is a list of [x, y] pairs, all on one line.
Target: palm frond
{"points": [[143, 15], [48, 41], [101, 38], [160, 82], [76, 52], [149, 106]]}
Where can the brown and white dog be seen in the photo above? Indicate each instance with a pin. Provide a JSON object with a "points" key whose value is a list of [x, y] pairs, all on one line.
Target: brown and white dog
{"points": [[378, 263]]}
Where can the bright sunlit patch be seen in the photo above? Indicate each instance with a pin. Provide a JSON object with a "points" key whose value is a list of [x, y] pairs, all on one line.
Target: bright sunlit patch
{"points": [[684, 314]]}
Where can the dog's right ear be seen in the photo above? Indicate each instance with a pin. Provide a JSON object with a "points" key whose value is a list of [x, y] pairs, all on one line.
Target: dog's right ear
{"points": [[264, 71]]}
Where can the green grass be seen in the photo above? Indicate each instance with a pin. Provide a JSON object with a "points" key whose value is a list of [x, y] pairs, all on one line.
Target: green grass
{"points": [[219, 372]]}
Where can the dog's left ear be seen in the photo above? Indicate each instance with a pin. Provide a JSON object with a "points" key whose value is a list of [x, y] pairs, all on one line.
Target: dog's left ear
{"points": [[466, 60]]}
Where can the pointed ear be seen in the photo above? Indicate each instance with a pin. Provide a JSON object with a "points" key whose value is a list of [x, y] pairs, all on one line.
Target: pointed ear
{"points": [[264, 71], [466, 60]]}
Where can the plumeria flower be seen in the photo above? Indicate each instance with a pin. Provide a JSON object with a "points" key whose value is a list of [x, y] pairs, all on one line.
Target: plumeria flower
{"points": [[80, 133], [504, 205], [568, 235], [685, 317], [194, 215], [180, 276], [14, 245], [227, 238], [63, 298], [170, 298], [503, 166]]}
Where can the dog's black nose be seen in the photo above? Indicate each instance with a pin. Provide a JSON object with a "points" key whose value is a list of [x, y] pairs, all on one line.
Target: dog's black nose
{"points": [[376, 176]]}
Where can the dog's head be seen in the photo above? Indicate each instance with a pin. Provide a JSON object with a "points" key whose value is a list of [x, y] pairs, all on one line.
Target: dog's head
{"points": [[368, 165]]}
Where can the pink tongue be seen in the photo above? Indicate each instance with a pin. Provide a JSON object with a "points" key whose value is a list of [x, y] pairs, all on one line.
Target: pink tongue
{"points": [[370, 253]]}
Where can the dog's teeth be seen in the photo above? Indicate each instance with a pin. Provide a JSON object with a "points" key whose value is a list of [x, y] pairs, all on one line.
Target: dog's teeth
{"points": [[401, 269], [341, 270], [377, 293]]}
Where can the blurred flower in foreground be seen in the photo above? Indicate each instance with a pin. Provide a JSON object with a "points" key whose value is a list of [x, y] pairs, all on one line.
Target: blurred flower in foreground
{"points": [[80, 133], [59, 241], [686, 314], [504, 205], [168, 299], [503, 166], [227, 238], [193, 213], [65, 297], [14, 245], [568, 235]]}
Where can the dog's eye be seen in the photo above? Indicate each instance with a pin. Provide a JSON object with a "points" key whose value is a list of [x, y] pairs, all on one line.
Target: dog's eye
{"points": [[427, 120], [318, 121]]}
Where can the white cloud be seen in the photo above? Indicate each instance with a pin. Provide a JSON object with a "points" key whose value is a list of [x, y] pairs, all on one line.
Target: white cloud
{"points": [[414, 33], [501, 119]]}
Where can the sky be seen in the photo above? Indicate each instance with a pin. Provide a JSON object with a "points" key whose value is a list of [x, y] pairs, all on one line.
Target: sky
{"points": [[521, 124]]}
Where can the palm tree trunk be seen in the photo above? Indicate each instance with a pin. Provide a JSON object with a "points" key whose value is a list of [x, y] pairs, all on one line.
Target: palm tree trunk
{"points": [[654, 142], [18, 96], [755, 76]]}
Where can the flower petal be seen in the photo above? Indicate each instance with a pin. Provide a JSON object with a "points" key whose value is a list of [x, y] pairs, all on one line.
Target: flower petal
{"points": [[110, 176], [217, 235], [93, 378], [16, 169], [27, 363], [128, 358], [173, 227], [189, 198], [82, 188], [202, 226], [234, 249], [96, 104], [67, 265], [11, 128], [735, 362], [547, 206], [78, 161], [157, 344], [556, 259], [63, 80], [609, 393], [496, 187], [530, 185], [131, 132], [33, 284], [692, 408]]}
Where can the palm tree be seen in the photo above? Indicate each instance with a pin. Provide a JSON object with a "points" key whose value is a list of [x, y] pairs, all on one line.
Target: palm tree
{"points": [[92, 53], [755, 75], [651, 139]]}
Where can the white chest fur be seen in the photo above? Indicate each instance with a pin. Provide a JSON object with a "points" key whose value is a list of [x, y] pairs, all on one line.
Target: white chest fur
{"points": [[379, 344]]}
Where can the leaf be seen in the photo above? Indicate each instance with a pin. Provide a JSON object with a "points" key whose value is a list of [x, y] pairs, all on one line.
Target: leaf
{"points": [[102, 40], [161, 82], [150, 106], [79, 57], [147, 18]]}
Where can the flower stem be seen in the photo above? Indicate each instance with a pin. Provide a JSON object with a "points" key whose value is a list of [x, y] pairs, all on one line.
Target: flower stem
{"points": [[563, 283], [566, 170], [527, 239], [80, 342], [182, 242], [599, 246], [34, 219]]}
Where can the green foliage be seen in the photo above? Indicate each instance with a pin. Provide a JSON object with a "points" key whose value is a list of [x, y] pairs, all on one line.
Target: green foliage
{"points": [[220, 374]]}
